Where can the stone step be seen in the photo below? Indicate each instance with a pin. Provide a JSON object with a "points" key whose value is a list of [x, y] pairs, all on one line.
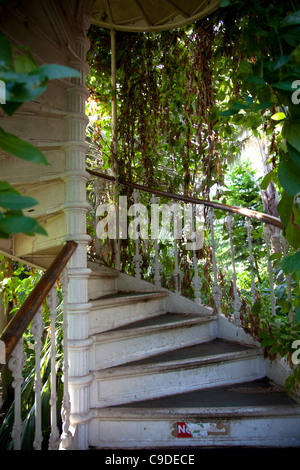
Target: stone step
{"points": [[249, 414], [103, 281], [205, 365], [115, 310], [149, 337]]}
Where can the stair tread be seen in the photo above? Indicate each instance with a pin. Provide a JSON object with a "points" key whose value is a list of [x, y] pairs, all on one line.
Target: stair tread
{"points": [[209, 349], [165, 319], [254, 397], [131, 295]]}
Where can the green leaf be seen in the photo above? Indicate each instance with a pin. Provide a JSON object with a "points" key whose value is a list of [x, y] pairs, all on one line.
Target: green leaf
{"points": [[286, 86], [54, 71], [5, 52], [292, 36], [278, 116], [291, 20], [267, 342], [228, 112], [4, 185], [10, 108], [291, 264], [245, 67], [294, 155], [256, 308], [239, 105], [291, 132], [224, 3], [275, 256], [285, 207], [15, 201], [292, 234], [13, 224], [12, 144], [25, 63], [256, 80], [289, 177], [264, 105], [266, 180], [297, 314], [284, 59]]}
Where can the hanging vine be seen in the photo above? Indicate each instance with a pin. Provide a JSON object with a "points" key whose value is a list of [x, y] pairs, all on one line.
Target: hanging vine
{"points": [[165, 93]]}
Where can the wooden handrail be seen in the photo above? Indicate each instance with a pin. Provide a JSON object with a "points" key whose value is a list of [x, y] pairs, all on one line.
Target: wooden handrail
{"points": [[268, 219], [20, 322]]}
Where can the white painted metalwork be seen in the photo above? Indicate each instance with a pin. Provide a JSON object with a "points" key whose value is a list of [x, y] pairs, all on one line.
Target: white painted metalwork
{"points": [[285, 249], [216, 291], [236, 302], [249, 228], [137, 259], [37, 328], [54, 435], [16, 364], [66, 436], [267, 235], [196, 282], [177, 272], [157, 268]]}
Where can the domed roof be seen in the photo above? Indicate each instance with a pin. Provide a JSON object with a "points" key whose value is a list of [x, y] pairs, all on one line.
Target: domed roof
{"points": [[149, 15]]}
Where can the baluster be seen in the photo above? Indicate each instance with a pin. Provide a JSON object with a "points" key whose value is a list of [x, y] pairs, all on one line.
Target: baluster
{"points": [[177, 272], [285, 249], [196, 282], [237, 302], [37, 328], [249, 228], [216, 291], [54, 435], [157, 268], [267, 234], [117, 240], [98, 190], [137, 259], [66, 435], [16, 364]]}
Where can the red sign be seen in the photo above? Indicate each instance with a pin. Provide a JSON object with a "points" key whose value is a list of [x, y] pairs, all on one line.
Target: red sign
{"points": [[182, 430]]}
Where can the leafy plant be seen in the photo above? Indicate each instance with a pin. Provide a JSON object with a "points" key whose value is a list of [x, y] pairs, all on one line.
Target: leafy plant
{"points": [[24, 81], [27, 389]]}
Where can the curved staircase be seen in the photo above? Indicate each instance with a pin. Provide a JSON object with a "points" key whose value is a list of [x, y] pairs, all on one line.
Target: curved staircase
{"points": [[168, 373]]}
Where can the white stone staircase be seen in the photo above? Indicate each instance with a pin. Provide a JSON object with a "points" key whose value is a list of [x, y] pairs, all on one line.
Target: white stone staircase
{"points": [[168, 373]]}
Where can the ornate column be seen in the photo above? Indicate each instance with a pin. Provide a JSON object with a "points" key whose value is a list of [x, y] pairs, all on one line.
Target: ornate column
{"points": [[75, 208]]}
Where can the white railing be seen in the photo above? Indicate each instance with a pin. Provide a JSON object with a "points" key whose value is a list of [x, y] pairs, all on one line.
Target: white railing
{"points": [[46, 352], [191, 276]]}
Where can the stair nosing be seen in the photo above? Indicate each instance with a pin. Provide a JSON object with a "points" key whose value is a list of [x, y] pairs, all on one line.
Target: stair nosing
{"points": [[111, 299], [136, 369], [217, 413], [130, 331], [104, 274]]}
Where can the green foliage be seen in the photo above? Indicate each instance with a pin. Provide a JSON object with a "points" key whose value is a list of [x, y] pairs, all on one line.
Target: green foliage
{"points": [[16, 282], [267, 37], [185, 98], [24, 81], [164, 93]]}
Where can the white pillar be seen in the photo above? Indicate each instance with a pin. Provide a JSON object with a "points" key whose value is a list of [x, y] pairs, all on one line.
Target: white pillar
{"points": [[75, 208]]}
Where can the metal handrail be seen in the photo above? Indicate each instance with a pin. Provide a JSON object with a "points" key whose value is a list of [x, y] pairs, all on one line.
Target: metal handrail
{"points": [[268, 219]]}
